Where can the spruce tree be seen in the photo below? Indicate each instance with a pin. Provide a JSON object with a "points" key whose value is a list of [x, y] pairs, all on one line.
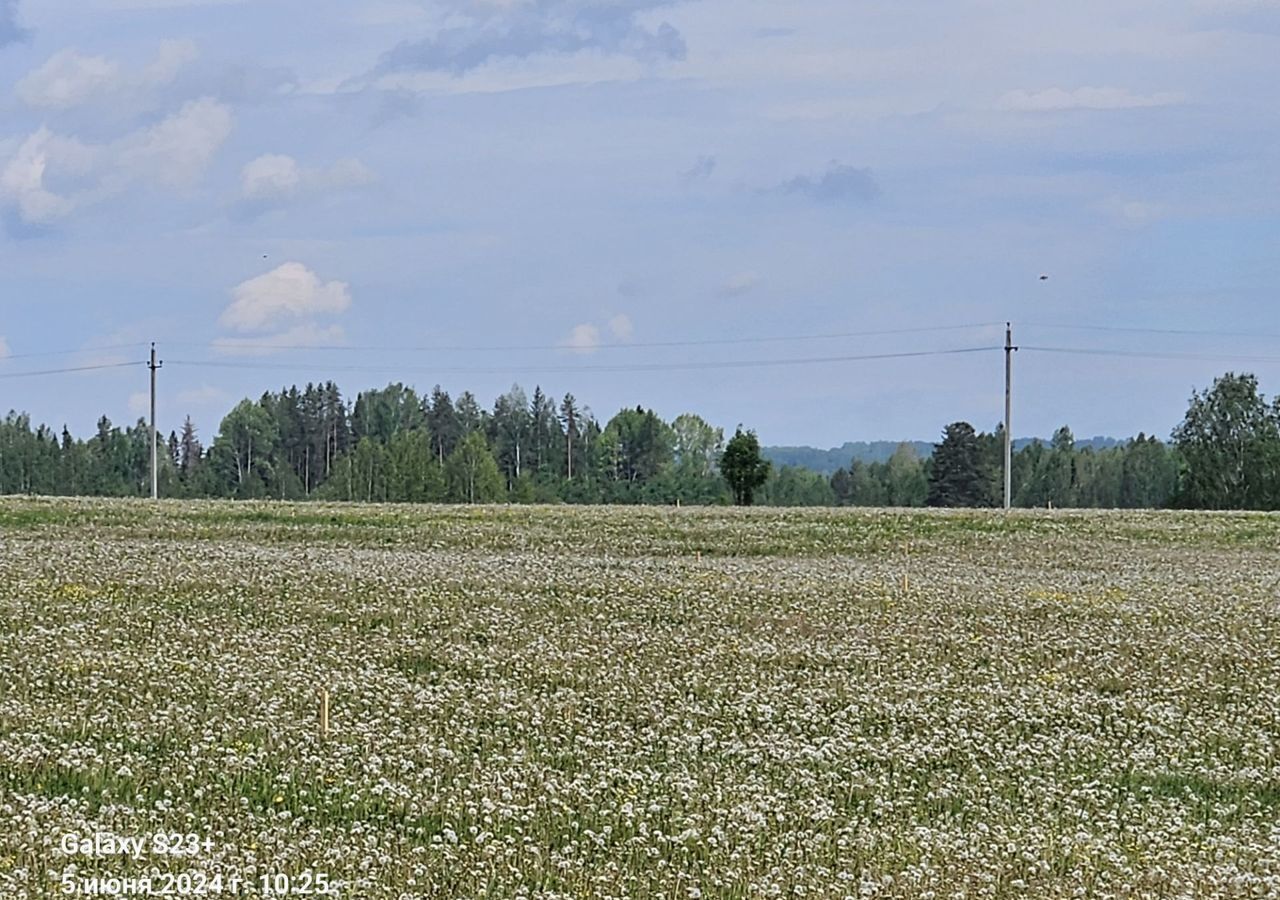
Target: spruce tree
{"points": [[956, 478]]}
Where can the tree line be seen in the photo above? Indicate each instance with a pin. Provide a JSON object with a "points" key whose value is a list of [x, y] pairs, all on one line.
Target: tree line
{"points": [[393, 445]]}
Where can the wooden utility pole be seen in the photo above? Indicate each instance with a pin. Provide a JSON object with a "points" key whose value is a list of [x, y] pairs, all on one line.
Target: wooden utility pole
{"points": [[1008, 415], [153, 365]]}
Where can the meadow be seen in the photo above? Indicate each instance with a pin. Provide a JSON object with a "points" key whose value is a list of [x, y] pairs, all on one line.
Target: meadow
{"points": [[559, 702]]}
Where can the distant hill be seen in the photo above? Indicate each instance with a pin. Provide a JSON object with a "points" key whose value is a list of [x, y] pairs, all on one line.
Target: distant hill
{"points": [[828, 461]]}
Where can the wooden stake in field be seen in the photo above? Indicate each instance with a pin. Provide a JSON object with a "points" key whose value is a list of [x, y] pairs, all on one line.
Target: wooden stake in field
{"points": [[324, 712], [906, 567]]}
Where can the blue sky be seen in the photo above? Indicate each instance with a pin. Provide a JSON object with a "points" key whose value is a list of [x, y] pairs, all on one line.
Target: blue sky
{"points": [[594, 179]]}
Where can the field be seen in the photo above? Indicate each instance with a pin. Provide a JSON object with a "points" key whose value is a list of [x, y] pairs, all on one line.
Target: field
{"points": [[551, 702]]}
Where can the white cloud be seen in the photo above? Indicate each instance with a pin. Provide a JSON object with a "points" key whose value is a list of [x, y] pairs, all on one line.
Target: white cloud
{"points": [[271, 175], [586, 338], [42, 157], [291, 291], [69, 79], [277, 178], [4, 348], [742, 283], [308, 334], [1095, 98], [621, 327], [583, 338], [178, 150], [50, 176]]}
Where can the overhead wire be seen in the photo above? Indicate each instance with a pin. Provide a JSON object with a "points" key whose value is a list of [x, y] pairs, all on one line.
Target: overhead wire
{"points": [[249, 344], [132, 346], [1124, 329], [636, 367], [30, 374], [1142, 354], [250, 347]]}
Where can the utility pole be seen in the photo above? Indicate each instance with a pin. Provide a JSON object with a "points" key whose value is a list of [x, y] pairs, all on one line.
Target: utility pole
{"points": [[155, 475], [1008, 415]]}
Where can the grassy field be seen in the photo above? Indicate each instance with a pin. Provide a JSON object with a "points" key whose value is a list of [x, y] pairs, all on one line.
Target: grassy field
{"points": [[551, 702]]}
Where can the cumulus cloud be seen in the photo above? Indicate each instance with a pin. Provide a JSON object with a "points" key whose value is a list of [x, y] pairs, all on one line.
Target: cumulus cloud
{"points": [[42, 162], [50, 176], [275, 178], [290, 291], [178, 150], [270, 175], [587, 337], [840, 183], [69, 79], [480, 31], [583, 338], [1095, 98], [10, 31], [742, 283]]}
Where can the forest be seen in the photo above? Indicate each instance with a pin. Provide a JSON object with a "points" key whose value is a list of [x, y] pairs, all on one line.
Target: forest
{"points": [[394, 445]]}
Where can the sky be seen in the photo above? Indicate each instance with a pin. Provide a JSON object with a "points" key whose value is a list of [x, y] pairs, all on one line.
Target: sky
{"points": [[710, 206]]}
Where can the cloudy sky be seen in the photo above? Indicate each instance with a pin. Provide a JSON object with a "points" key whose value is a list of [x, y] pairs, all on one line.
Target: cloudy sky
{"points": [[627, 198]]}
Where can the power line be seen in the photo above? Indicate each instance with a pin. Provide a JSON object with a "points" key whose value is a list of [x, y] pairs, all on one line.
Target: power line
{"points": [[69, 369], [132, 346], [250, 344], [1121, 329], [637, 367], [1142, 354]]}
